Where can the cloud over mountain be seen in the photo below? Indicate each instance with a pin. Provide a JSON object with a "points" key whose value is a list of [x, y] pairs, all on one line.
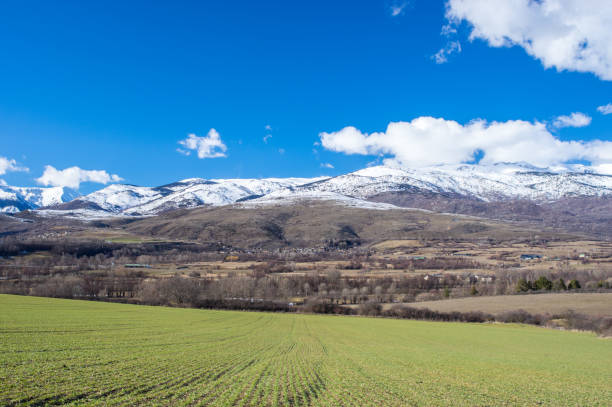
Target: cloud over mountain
{"points": [[73, 177], [429, 141]]}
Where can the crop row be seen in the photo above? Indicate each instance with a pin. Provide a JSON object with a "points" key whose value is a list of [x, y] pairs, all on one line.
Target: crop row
{"points": [[72, 352]]}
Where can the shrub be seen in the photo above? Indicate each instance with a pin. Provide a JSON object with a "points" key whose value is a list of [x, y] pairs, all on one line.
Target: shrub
{"points": [[352, 265], [370, 309], [320, 307], [403, 311], [58, 287], [521, 317]]}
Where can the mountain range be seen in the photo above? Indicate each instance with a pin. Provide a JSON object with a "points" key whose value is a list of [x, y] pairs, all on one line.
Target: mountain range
{"points": [[16, 199], [477, 183], [572, 198]]}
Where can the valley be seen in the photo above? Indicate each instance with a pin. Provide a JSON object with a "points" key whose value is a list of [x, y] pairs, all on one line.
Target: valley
{"points": [[293, 204], [310, 256]]}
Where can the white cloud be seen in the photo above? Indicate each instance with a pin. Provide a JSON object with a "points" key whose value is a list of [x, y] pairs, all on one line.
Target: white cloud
{"points": [[268, 127], [3, 182], [429, 141], [73, 177], [397, 9], [7, 165], [442, 55], [327, 165], [572, 35], [266, 138], [448, 30], [605, 109], [576, 119], [210, 146]]}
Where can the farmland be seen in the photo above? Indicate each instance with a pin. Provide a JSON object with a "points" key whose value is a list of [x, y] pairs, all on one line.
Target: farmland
{"points": [[596, 304], [56, 351]]}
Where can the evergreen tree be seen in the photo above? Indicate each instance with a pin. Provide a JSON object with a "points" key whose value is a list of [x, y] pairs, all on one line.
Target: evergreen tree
{"points": [[560, 285], [543, 283], [523, 285]]}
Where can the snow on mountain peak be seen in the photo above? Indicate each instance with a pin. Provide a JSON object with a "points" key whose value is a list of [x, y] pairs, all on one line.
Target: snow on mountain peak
{"points": [[132, 200], [486, 182], [380, 171], [193, 181], [14, 199], [288, 197]]}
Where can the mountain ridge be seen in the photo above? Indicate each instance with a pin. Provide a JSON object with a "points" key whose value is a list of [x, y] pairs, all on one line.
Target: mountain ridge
{"points": [[16, 199], [376, 187]]}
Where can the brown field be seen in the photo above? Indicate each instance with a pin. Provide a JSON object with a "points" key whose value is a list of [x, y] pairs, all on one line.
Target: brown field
{"points": [[594, 304], [555, 256]]}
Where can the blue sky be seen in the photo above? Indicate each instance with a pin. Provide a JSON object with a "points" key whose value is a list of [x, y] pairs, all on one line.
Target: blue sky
{"points": [[115, 86]]}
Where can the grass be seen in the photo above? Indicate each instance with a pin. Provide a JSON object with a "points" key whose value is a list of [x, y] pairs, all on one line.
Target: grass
{"points": [[594, 304], [76, 352]]}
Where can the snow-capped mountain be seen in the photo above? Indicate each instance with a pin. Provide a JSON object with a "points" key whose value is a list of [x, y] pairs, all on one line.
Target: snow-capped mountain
{"points": [[129, 200], [502, 182], [199, 192], [488, 183], [15, 199], [291, 196]]}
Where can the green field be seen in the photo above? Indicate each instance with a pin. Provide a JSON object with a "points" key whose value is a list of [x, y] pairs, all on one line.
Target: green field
{"points": [[77, 352]]}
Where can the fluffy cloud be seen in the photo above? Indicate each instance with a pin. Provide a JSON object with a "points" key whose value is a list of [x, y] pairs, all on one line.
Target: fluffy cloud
{"points": [[605, 109], [573, 120], [327, 165], [73, 176], [7, 165], [570, 35], [210, 146], [429, 141]]}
